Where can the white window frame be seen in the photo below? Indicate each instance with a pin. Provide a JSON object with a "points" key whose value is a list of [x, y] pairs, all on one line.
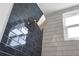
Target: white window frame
{"points": [[65, 15]]}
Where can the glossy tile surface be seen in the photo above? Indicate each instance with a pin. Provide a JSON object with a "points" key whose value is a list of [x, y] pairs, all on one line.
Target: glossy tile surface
{"points": [[22, 36]]}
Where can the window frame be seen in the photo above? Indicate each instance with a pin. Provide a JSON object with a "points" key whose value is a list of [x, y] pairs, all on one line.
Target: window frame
{"points": [[65, 15]]}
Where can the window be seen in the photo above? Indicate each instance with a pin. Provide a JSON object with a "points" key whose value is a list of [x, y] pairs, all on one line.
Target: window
{"points": [[71, 25]]}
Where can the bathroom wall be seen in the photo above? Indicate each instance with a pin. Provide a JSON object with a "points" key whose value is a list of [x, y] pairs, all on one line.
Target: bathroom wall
{"points": [[5, 10], [24, 11], [19, 13], [53, 36]]}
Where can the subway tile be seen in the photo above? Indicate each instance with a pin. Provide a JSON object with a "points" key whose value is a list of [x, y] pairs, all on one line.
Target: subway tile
{"points": [[50, 49], [54, 37], [67, 53], [71, 47], [75, 52], [49, 53], [77, 47], [59, 52], [59, 48], [66, 43]]}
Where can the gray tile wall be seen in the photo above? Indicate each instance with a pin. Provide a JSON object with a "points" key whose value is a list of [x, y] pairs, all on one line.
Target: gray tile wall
{"points": [[22, 12], [53, 37]]}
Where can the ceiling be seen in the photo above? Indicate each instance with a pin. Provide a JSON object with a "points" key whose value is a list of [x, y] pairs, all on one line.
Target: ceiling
{"points": [[48, 8]]}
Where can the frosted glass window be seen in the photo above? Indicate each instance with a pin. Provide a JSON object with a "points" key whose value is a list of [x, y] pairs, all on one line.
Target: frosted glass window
{"points": [[73, 32], [71, 25], [72, 20]]}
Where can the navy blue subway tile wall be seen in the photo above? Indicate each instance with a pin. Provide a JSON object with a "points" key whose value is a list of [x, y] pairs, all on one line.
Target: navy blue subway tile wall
{"points": [[22, 35]]}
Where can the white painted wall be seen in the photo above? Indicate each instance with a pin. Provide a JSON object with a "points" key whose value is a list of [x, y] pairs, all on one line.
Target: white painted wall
{"points": [[5, 10], [47, 9]]}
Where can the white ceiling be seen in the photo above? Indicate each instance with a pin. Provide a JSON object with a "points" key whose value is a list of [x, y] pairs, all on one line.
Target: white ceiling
{"points": [[48, 8]]}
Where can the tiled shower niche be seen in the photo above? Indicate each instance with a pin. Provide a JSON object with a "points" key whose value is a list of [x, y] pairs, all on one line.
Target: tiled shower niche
{"points": [[22, 35]]}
